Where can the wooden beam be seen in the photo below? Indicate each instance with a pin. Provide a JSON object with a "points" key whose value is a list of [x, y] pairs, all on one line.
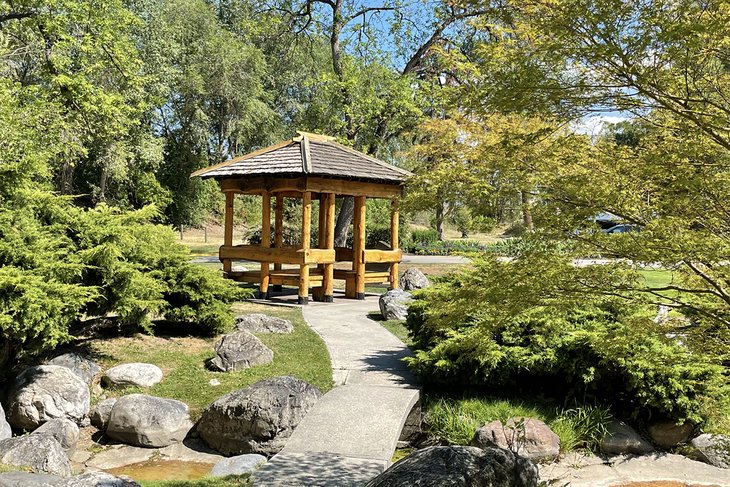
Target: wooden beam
{"points": [[379, 256], [314, 184], [265, 242], [305, 244], [284, 255], [227, 230], [329, 240], [358, 233], [394, 244]]}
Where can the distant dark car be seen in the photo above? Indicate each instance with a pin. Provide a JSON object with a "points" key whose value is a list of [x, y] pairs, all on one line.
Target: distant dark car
{"points": [[623, 228]]}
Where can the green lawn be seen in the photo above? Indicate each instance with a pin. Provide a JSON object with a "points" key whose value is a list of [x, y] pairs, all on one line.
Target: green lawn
{"points": [[230, 481], [182, 358]]}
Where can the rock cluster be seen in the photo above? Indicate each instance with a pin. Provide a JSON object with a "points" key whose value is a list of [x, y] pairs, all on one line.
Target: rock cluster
{"points": [[259, 418], [394, 304], [261, 323], [413, 279], [528, 437], [45, 392], [133, 374], [240, 350], [142, 420], [459, 466]]}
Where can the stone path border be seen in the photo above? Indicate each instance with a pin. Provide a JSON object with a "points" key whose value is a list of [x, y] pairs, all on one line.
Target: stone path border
{"points": [[350, 435]]}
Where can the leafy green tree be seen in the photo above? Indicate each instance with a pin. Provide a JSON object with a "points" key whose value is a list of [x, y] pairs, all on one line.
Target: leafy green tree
{"points": [[211, 99]]}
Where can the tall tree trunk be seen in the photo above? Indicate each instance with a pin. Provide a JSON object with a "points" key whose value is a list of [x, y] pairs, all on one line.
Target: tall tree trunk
{"points": [[344, 218], [440, 213], [526, 211]]}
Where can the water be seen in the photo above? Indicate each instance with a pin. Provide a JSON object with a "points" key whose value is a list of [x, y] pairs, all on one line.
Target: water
{"points": [[164, 470]]}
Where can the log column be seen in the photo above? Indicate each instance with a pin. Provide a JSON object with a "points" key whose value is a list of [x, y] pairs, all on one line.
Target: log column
{"points": [[228, 228], [278, 232], [318, 292], [329, 240], [306, 237], [358, 246], [394, 222], [265, 242]]}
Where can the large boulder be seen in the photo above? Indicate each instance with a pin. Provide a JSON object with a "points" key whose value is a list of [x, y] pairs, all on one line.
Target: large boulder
{"points": [[78, 364], [238, 465], [141, 420], [261, 323], [100, 413], [5, 430], [42, 453], [413, 279], [47, 392], [459, 466], [622, 439], [240, 350], [668, 434], [528, 437], [259, 418], [394, 304], [63, 430], [133, 374], [712, 449]]}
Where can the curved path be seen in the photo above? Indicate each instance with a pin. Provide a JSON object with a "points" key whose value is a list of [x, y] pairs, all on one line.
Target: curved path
{"points": [[350, 435]]}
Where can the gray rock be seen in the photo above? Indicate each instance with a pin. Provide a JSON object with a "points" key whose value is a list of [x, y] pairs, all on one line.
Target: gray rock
{"points": [[42, 453], [668, 434], [261, 323], [238, 465], [259, 418], [100, 413], [5, 431], [141, 420], [63, 430], [240, 350], [27, 479], [622, 439], [394, 304], [413, 279], [134, 374], [528, 437], [459, 466], [712, 449], [98, 479], [47, 392], [78, 364]]}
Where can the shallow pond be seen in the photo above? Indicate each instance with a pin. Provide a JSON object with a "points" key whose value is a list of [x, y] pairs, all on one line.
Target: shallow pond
{"points": [[163, 470], [661, 483]]}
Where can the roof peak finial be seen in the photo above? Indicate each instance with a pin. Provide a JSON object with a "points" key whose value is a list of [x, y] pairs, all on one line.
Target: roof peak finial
{"points": [[312, 136]]}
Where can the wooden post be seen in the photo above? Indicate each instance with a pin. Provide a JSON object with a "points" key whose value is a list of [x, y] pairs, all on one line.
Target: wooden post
{"points": [[265, 242], [228, 228], [394, 222], [318, 292], [358, 232], [306, 236], [278, 232], [329, 240]]}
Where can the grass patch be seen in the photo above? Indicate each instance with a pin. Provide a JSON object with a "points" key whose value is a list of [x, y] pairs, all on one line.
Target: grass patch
{"points": [[301, 354], [396, 327], [456, 420], [230, 481]]}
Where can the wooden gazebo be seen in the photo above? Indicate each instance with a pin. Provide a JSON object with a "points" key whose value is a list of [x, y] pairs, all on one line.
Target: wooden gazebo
{"points": [[310, 167]]}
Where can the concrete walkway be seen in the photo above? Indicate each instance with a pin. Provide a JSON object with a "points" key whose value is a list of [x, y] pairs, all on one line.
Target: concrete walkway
{"points": [[350, 435]]}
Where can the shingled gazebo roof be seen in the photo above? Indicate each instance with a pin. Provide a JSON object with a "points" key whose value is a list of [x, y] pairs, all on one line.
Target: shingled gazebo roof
{"points": [[305, 155]]}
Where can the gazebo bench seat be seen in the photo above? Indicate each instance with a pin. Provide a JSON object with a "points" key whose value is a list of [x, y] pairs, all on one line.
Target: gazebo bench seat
{"points": [[289, 277]]}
